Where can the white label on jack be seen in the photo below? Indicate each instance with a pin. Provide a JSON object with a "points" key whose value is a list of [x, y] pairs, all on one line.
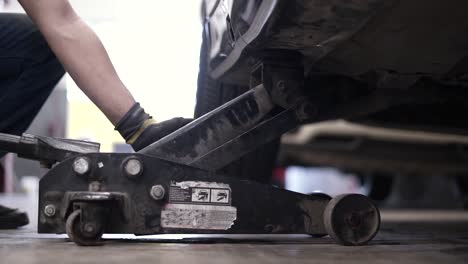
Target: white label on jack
{"points": [[199, 205], [192, 216]]}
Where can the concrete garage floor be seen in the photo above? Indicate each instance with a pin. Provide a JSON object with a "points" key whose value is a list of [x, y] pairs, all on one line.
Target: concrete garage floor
{"points": [[405, 237]]}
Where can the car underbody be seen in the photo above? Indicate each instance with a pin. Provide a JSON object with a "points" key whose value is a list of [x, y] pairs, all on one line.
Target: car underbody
{"points": [[388, 63]]}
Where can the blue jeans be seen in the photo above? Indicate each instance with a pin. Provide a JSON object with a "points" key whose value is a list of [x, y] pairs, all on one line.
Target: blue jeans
{"points": [[29, 71]]}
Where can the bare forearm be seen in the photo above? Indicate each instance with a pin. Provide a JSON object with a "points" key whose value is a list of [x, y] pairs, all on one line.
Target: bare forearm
{"points": [[85, 59]]}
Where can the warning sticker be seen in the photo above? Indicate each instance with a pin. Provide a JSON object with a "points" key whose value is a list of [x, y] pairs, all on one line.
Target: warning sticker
{"points": [[200, 193], [220, 196], [199, 205]]}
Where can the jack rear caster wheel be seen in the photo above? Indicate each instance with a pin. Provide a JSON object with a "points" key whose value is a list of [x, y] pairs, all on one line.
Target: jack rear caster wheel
{"points": [[83, 234], [351, 219]]}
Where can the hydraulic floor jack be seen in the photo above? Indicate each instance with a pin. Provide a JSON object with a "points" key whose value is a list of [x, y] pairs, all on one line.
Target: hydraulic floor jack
{"points": [[172, 186]]}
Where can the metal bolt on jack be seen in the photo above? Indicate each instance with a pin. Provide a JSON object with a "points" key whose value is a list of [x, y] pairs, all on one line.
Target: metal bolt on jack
{"points": [[81, 165], [133, 167], [157, 192], [49, 210]]}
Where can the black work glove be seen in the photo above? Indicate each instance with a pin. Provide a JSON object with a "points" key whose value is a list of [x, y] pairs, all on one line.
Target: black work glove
{"points": [[139, 129]]}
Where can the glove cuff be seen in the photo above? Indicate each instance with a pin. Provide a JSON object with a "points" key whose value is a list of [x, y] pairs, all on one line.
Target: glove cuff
{"points": [[136, 135], [132, 122]]}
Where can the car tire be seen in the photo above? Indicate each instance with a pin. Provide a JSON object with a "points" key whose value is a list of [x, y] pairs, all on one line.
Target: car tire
{"points": [[257, 165]]}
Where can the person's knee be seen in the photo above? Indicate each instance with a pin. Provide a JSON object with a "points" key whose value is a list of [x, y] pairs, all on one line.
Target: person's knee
{"points": [[31, 44], [43, 56], [39, 61], [39, 48]]}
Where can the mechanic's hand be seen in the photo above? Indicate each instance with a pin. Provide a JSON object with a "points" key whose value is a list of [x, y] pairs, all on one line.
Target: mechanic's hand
{"points": [[140, 130]]}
